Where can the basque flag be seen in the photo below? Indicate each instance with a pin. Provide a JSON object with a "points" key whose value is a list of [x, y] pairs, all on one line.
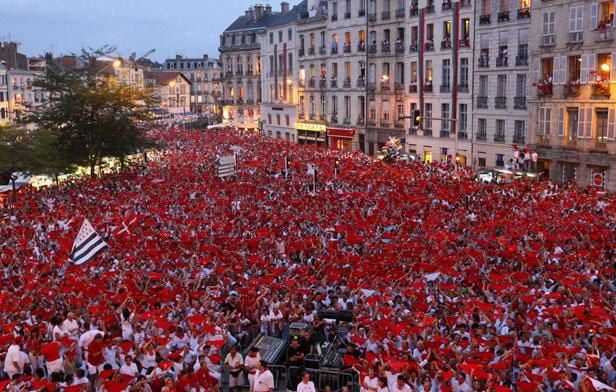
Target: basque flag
{"points": [[87, 244]]}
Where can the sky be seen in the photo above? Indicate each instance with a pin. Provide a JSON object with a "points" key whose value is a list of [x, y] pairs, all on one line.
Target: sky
{"points": [[187, 27]]}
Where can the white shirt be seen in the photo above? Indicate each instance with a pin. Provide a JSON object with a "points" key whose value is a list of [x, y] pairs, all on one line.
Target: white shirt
{"points": [[251, 363], [12, 355], [264, 381], [130, 370], [306, 387], [70, 327], [234, 363]]}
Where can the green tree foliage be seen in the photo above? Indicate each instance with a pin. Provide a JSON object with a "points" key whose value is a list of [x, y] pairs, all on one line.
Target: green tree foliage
{"points": [[92, 115]]}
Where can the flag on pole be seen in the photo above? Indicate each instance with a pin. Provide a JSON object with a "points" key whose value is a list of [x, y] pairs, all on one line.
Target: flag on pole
{"points": [[87, 244]]}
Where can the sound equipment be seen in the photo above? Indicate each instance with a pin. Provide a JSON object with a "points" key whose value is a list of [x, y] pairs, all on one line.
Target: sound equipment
{"points": [[345, 315], [297, 328], [312, 361], [271, 349]]}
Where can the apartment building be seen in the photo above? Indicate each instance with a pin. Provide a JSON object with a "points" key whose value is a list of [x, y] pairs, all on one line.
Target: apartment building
{"points": [[172, 89], [280, 78], [572, 87], [240, 54], [501, 53], [343, 74], [205, 75], [311, 126]]}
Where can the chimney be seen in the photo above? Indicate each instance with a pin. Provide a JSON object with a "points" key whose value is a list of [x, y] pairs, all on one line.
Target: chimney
{"points": [[284, 7], [258, 11], [268, 9], [250, 12]]}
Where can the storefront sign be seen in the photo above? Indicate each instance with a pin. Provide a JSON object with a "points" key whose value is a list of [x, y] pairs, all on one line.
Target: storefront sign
{"points": [[340, 132], [310, 127]]}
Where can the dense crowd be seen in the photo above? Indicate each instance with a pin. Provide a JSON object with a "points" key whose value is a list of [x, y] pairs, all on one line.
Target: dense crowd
{"points": [[454, 285]]}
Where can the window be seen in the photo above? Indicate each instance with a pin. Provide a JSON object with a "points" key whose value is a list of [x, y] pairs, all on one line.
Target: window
{"points": [[271, 38], [313, 108], [428, 119], [481, 162], [500, 160], [519, 132], [446, 70], [445, 114], [572, 123], [323, 106], [446, 30], [347, 107], [520, 85], [483, 85], [429, 71], [499, 134], [400, 113], [277, 119], [545, 115], [576, 23], [501, 86], [287, 120], [413, 72], [548, 28], [269, 118], [466, 28], [280, 36], [482, 129], [463, 118], [385, 109], [602, 120], [290, 34], [464, 71], [290, 62], [574, 67]]}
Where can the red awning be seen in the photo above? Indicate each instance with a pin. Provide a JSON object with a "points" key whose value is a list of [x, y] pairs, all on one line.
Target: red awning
{"points": [[340, 132]]}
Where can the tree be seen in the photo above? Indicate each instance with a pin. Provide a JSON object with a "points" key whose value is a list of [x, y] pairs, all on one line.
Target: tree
{"points": [[90, 114]]}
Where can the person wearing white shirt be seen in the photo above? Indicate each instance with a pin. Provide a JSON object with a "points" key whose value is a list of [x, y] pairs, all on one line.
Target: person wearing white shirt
{"points": [[70, 326], [251, 364], [129, 368], [306, 385], [234, 363], [12, 361], [264, 379], [400, 385]]}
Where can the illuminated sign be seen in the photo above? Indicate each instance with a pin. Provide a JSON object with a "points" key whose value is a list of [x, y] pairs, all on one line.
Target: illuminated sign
{"points": [[310, 127]]}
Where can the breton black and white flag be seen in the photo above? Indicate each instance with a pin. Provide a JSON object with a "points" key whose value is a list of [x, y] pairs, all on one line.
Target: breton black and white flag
{"points": [[87, 244]]}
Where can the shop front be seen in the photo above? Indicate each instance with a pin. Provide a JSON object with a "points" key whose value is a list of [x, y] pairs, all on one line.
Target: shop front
{"points": [[310, 133], [341, 139]]}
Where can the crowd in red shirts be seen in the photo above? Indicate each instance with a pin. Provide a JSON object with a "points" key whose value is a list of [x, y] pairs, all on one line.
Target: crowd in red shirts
{"points": [[454, 285]]}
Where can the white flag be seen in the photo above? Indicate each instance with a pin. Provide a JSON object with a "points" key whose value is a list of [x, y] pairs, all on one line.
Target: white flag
{"points": [[599, 386], [87, 244]]}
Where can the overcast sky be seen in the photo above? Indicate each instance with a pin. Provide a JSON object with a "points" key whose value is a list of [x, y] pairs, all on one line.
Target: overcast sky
{"points": [[187, 27]]}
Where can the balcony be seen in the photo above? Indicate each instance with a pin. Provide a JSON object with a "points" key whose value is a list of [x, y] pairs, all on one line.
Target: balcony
{"points": [[519, 103], [445, 44], [427, 88], [322, 83], [399, 48], [413, 47], [600, 90], [333, 83], [427, 132], [385, 122], [414, 11], [463, 87], [412, 88], [301, 116], [521, 60], [524, 13], [361, 82], [229, 74], [604, 35], [481, 136], [311, 51], [346, 121], [445, 88], [361, 46], [482, 102], [398, 87], [334, 50], [312, 83], [499, 138], [501, 61], [372, 48], [484, 19], [347, 15], [464, 43], [500, 102], [334, 18], [371, 121], [371, 86], [312, 116], [430, 9], [444, 133], [503, 16], [446, 6], [576, 38], [360, 120], [571, 90], [334, 119], [519, 139], [385, 47], [429, 46], [400, 12], [462, 135], [361, 13], [484, 62], [385, 15], [372, 17], [322, 50], [548, 40], [346, 83], [346, 48], [301, 52], [385, 86], [544, 90]]}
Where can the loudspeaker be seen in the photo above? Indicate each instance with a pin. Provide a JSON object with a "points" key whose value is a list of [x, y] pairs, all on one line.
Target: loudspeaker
{"points": [[345, 315]]}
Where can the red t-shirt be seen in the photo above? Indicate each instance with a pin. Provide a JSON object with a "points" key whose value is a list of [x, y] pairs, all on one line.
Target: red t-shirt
{"points": [[95, 353], [51, 351]]}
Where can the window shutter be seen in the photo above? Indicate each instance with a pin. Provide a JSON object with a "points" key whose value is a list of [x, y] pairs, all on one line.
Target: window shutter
{"points": [[613, 74], [541, 122], [581, 123], [572, 15], [563, 69], [580, 18], [611, 124], [546, 21], [561, 122], [594, 15], [556, 71], [592, 65], [584, 69], [537, 67], [588, 133]]}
